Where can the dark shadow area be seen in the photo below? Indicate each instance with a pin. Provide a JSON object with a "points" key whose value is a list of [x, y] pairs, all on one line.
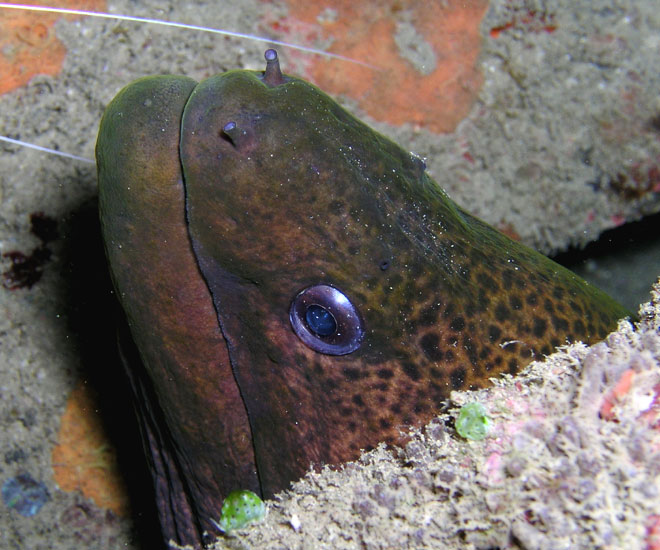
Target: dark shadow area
{"points": [[93, 314], [624, 262]]}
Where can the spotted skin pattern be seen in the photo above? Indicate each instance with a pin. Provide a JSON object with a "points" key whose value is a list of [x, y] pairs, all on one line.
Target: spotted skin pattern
{"points": [[300, 193]]}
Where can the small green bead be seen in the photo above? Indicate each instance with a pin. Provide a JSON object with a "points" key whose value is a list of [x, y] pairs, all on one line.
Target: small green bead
{"points": [[239, 509], [473, 421]]}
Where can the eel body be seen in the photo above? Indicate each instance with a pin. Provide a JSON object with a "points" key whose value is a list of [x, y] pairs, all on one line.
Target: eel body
{"points": [[298, 287]]}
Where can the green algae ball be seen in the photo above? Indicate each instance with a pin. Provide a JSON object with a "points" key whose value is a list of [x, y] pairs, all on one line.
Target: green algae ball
{"points": [[473, 421], [239, 509]]}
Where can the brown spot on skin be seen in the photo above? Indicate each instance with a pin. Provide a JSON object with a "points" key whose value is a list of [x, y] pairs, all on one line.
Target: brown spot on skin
{"points": [[560, 323], [540, 327], [439, 399], [515, 303], [430, 344], [502, 312], [429, 315], [457, 324], [494, 333], [412, 371], [511, 348], [487, 282], [357, 399], [337, 207], [436, 373], [575, 307], [352, 373], [483, 300], [385, 374], [520, 283], [469, 347], [508, 278], [513, 366], [457, 378], [396, 279]]}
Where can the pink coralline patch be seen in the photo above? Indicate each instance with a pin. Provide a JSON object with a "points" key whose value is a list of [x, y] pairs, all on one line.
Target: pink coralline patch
{"points": [[618, 219], [467, 156], [612, 397], [517, 406], [652, 415], [494, 469], [436, 96], [634, 394], [653, 532]]}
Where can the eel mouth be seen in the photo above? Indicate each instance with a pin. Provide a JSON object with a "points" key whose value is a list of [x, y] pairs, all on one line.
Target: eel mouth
{"points": [[187, 503]]}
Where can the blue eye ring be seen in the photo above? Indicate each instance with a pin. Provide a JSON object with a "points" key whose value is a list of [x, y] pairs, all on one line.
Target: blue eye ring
{"points": [[320, 321], [326, 321]]}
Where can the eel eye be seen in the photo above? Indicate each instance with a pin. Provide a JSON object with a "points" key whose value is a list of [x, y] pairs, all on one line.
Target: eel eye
{"points": [[326, 320]]}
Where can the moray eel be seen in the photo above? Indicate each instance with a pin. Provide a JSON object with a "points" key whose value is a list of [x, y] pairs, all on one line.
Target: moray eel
{"points": [[298, 287]]}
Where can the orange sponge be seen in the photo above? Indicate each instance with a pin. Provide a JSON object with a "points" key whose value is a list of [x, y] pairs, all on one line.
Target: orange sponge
{"points": [[28, 45]]}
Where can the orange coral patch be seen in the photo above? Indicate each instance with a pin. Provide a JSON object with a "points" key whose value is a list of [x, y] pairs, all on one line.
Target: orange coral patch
{"points": [[614, 396], [84, 460], [28, 45], [426, 52]]}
